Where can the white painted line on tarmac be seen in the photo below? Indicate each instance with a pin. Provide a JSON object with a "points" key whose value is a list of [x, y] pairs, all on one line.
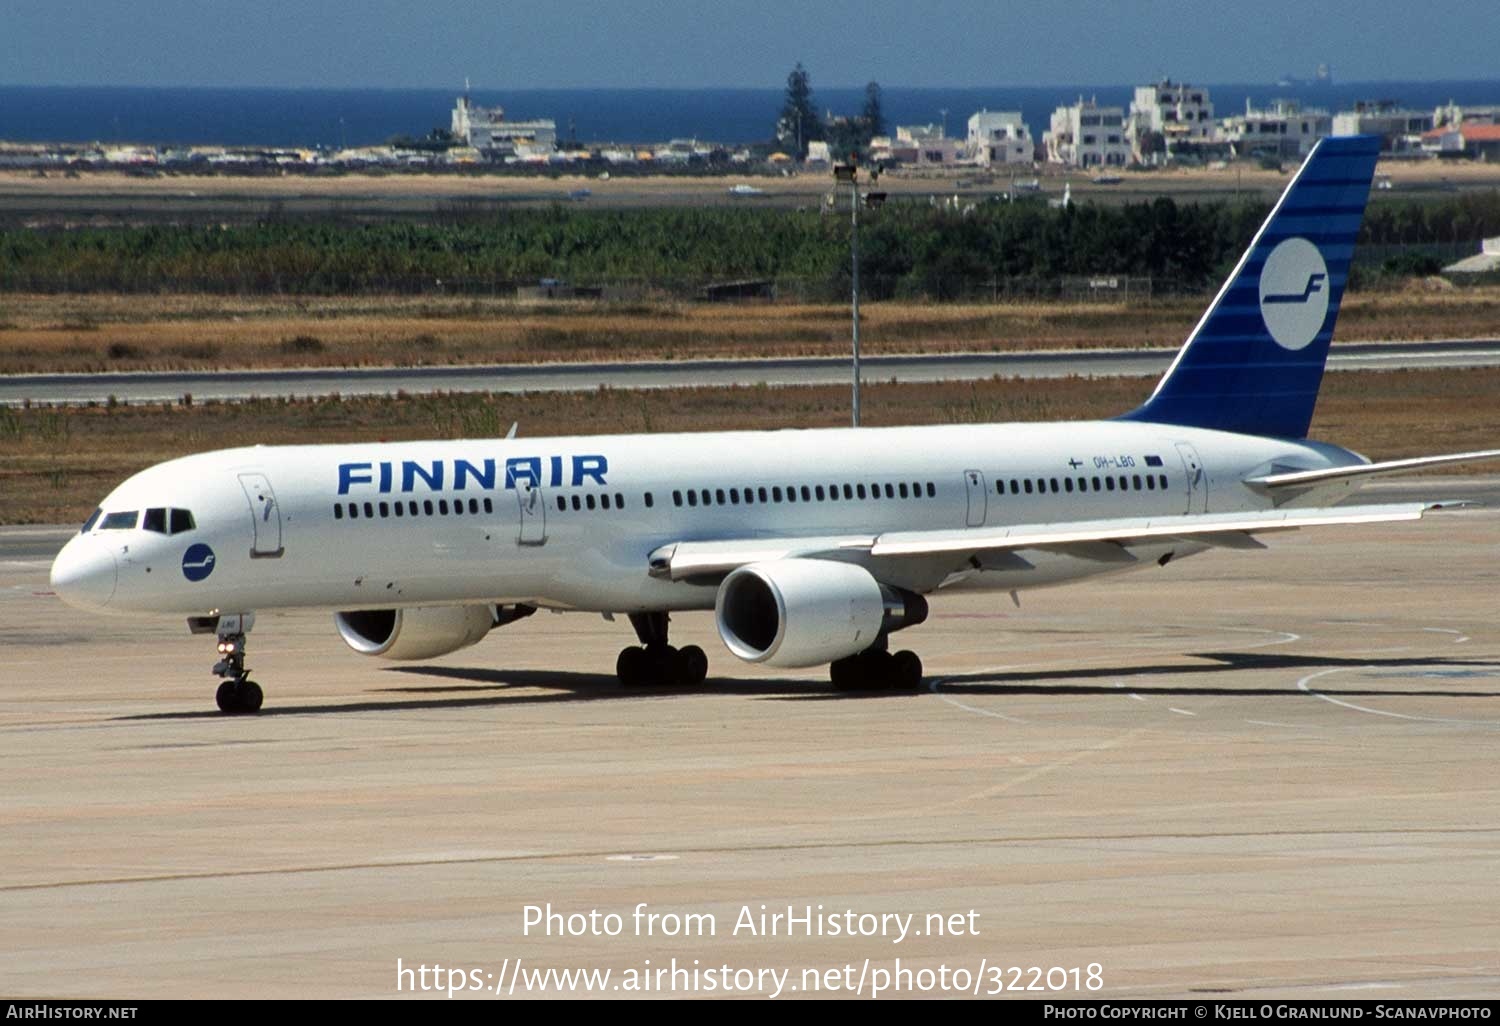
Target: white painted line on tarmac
{"points": [[933, 684], [1305, 682], [1181, 712]]}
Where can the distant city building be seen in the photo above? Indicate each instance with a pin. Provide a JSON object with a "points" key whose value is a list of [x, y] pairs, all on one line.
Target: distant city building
{"points": [[817, 153], [486, 130], [1283, 130], [1167, 118], [1087, 135], [1401, 129], [1451, 114], [999, 137]]}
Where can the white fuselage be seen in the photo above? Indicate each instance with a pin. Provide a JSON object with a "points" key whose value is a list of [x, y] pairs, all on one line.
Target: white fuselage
{"points": [[379, 525]]}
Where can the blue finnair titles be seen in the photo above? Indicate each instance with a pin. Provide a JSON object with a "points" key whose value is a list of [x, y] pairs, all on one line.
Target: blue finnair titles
{"points": [[1254, 362]]}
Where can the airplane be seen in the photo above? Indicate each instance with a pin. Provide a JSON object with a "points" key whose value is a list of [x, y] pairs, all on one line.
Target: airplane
{"points": [[811, 547]]}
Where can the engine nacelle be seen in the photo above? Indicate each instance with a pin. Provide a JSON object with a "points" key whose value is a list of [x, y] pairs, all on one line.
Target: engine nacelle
{"points": [[806, 612], [417, 632]]}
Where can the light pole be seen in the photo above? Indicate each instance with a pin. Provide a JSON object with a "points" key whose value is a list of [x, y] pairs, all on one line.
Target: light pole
{"points": [[850, 173]]}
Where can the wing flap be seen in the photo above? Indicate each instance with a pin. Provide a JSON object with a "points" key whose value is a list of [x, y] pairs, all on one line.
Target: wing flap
{"points": [[1096, 539], [1125, 530]]}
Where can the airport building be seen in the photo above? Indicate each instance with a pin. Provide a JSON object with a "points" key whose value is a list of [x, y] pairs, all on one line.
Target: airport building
{"points": [[1087, 135], [999, 137], [1284, 130], [486, 130]]}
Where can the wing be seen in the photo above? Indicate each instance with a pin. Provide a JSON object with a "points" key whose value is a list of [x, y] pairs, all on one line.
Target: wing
{"points": [[1106, 540]]}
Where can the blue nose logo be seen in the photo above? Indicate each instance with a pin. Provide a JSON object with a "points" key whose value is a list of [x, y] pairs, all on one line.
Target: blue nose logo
{"points": [[197, 562]]}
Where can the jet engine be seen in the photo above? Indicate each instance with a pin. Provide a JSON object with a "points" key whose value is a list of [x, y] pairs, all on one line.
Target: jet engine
{"points": [[417, 632], [805, 612]]}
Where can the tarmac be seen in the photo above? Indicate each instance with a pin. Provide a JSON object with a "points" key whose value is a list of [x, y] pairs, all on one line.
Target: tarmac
{"points": [[1245, 775]]}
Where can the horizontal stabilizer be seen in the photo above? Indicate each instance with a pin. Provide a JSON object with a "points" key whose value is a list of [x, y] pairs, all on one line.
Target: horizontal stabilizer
{"points": [[1321, 476]]}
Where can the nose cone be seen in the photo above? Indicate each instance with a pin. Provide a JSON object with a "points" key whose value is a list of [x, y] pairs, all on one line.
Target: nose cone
{"points": [[83, 575]]}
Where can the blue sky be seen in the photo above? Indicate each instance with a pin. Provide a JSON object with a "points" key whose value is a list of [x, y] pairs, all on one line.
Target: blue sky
{"points": [[676, 43]]}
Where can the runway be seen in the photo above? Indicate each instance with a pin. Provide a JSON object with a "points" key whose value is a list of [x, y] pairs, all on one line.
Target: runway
{"points": [[77, 389], [1246, 774]]}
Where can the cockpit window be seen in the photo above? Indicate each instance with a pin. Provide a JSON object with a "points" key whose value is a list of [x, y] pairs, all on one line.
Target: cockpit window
{"points": [[122, 521], [88, 525], [155, 520], [182, 520]]}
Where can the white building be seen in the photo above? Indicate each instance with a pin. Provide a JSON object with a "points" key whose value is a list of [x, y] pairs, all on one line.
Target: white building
{"points": [[1180, 114], [999, 137], [928, 143], [486, 130], [1087, 135], [1400, 129], [1284, 129]]}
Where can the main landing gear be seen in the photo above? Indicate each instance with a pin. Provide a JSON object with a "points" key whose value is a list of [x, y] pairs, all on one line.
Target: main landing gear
{"points": [[654, 661], [238, 693], [877, 669]]}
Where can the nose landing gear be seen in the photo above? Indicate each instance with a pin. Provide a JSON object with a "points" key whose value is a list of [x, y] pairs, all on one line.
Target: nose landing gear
{"points": [[238, 693]]}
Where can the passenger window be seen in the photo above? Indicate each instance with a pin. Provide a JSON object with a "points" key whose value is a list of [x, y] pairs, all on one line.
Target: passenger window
{"points": [[122, 521], [676, 498], [761, 494], [692, 498], [1055, 489], [649, 501], [427, 507], [589, 500], [1096, 485], [734, 496], [749, 496], [397, 508], [776, 492], [806, 494], [412, 507], [1150, 483], [1164, 482], [1124, 483], [385, 510], [604, 500], [369, 511], [155, 520], [817, 492], [719, 496], [903, 489], [931, 490], [1068, 484], [576, 504], [1028, 486], [859, 490], [619, 501], [442, 506], [562, 504], [353, 511], [848, 492], [474, 506], [458, 507], [338, 511], [1135, 482], [707, 497]]}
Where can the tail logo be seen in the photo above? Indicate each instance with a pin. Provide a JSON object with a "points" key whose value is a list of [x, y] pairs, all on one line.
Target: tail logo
{"points": [[1294, 293]]}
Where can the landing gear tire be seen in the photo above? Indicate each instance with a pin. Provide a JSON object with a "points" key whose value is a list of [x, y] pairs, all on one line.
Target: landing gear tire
{"points": [[239, 696], [251, 696], [632, 666], [659, 664], [693, 665], [877, 670], [906, 671]]}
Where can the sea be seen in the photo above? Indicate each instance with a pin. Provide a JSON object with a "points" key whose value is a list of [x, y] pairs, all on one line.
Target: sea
{"points": [[731, 117]]}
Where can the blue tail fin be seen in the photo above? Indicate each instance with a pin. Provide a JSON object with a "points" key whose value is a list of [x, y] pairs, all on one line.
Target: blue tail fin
{"points": [[1254, 362]]}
